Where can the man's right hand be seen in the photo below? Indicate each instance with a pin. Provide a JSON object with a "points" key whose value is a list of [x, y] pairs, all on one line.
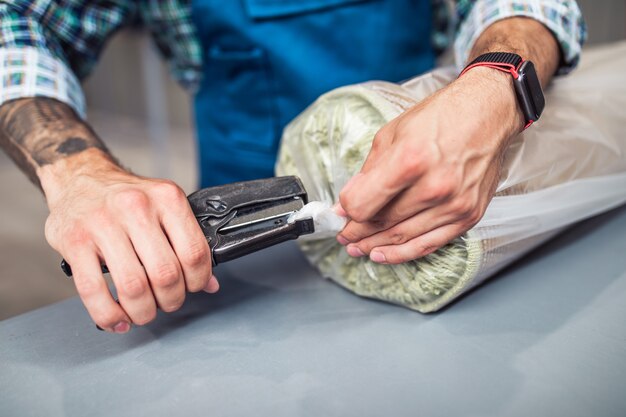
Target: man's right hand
{"points": [[142, 229]]}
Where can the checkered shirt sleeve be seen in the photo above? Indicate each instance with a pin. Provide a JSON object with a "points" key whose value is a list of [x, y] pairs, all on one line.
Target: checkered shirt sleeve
{"points": [[562, 17], [46, 46]]}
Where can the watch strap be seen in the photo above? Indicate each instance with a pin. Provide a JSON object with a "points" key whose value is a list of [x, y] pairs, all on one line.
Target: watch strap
{"points": [[503, 61]]}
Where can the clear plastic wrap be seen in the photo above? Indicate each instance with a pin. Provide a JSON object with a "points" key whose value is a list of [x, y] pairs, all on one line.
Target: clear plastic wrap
{"points": [[569, 166]]}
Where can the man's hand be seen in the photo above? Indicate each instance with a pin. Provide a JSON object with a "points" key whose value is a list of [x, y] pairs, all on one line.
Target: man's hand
{"points": [[432, 171], [143, 229]]}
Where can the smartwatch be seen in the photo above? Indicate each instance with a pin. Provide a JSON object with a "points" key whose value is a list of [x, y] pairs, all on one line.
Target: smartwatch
{"points": [[527, 86]]}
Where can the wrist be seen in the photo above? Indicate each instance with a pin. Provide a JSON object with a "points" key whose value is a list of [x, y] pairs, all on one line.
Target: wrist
{"points": [[496, 100], [58, 177]]}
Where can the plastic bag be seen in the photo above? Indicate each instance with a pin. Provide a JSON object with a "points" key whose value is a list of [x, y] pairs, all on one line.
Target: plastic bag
{"points": [[569, 166]]}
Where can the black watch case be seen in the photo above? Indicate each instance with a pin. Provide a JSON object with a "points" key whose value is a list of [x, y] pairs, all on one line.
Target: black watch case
{"points": [[528, 90]]}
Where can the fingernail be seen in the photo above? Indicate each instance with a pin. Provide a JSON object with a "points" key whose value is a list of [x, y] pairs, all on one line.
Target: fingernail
{"points": [[212, 286], [354, 251], [342, 240], [99, 328], [378, 257], [121, 327]]}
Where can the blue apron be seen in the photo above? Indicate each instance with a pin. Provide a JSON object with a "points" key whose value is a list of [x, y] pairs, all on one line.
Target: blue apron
{"points": [[266, 60]]}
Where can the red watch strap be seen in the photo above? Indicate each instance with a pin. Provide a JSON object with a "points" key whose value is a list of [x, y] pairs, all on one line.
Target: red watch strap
{"points": [[503, 61], [510, 68]]}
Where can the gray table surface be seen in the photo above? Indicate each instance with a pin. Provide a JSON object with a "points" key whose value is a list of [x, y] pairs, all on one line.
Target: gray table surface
{"points": [[546, 337]]}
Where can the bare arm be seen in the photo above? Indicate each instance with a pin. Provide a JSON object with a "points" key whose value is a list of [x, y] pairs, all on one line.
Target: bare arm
{"points": [[142, 228], [36, 132], [433, 170], [526, 37]]}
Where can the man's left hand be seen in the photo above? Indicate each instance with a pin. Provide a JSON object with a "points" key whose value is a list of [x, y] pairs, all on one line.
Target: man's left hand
{"points": [[431, 171]]}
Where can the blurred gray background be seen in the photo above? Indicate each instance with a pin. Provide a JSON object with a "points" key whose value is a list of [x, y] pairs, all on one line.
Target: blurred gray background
{"points": [[145, 118]]}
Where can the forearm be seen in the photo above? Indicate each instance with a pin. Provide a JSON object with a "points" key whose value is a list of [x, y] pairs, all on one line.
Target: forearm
{"points": [[40, 134], [456, 140], [526, 37], [143, 229], [532, 41]]}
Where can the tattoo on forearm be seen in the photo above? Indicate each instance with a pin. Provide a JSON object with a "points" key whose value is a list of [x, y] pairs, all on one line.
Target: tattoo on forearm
{"points": [[38, 131]]}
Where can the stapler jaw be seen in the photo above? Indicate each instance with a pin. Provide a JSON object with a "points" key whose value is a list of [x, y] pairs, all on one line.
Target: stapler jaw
{"points": [[244, 217]]}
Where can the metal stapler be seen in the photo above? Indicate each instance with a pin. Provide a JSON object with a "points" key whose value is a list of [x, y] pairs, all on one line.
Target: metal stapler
{"points": [[244, 217]]}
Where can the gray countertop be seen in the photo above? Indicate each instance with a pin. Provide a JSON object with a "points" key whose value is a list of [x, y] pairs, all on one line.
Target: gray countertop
{"points": [[547, 337]]}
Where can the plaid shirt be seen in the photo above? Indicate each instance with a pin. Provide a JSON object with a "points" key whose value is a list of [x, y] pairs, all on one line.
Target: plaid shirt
{"points": [[47, 46]]}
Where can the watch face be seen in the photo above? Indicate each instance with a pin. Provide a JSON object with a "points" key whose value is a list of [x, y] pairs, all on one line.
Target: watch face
{"points": [[533, 87]]}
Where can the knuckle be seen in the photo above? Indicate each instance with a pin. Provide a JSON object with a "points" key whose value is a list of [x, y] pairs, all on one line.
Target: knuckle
{"points": [[173, 305], [394, 215], [412, 161], [474, 216], [379, 139], [197, 285], [345, 200], [76, 236], [196, 254], [424, 250], [366, 246], [463, 207], [170, 308], [350, 232], [417, 251], [166, 275], [170, 191], [88, 287], [132, 199], [355, 209], [404, 127], [168, 186], [397, 238], [133, 287], [51, 232], [381, 221], [357, 213], [101, 216], [146, 317], [439, 190]]}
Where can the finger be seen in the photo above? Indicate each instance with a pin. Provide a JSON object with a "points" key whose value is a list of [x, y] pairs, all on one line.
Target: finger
{"points": [[159, 262], [418, 247], [368, 192], [339, 210], [129, 277], [405, 205], [403, 232], [188, 241], [213, 286], [387, 218], [425, 194], [94, 292], [382, 140], [354, 231]]}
